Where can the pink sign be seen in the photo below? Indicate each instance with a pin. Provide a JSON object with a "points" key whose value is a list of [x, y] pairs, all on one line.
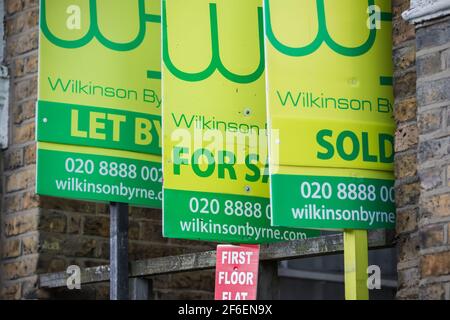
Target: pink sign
{"points": [[237, 272]]}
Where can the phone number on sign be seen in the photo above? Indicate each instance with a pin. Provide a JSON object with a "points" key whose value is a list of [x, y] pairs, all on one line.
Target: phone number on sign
{"points": [[249, 209], [346, 191], [113, 169]]}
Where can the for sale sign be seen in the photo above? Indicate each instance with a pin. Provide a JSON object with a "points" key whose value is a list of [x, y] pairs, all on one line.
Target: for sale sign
{"points": [[330, 101], [237, 272], [99, 120], [216, 181]]}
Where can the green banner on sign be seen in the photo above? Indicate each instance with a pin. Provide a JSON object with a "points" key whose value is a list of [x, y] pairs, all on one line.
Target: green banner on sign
{"points": [[99, 177]]}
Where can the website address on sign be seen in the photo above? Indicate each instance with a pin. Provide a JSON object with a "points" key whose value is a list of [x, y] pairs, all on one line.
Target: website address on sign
{"points": [[198, 225], [83, 186], [314, 212]]}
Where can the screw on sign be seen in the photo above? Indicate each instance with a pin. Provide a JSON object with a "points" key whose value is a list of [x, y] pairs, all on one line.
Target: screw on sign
{"points": [[236, 272]]}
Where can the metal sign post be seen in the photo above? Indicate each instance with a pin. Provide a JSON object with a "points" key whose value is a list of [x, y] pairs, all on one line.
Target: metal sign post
{"points": [[118, 251]]}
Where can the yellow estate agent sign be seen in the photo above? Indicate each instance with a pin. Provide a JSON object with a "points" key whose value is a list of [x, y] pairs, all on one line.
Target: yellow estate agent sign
{"points": [[99, 122], [330, 101], [215, 145]]}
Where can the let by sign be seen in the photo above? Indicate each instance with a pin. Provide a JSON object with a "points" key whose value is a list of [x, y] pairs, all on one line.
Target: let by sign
{"points": [[237, 272], [99, 103]]}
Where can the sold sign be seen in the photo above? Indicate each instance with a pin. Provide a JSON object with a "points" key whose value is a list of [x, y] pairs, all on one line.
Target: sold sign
{"points": [[237, 272], [330, 98]]}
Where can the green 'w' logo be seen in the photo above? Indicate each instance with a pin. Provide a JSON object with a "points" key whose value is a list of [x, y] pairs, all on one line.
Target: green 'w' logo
{"points": [[95, 32], [323, 36], [216, 62]]}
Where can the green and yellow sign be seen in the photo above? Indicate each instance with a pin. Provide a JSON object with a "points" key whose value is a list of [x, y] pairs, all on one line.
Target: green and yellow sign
{"points": [[99, 118], [216, 180], [330, 103]]}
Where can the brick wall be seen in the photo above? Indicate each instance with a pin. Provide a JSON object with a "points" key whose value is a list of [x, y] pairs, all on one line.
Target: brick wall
{"points": [[433, 99], [42, 234], [422, 85], [20, 213], [406, 143]]}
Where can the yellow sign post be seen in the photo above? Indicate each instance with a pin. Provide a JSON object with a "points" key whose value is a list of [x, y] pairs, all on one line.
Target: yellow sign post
{"points": [[356, 264]]}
